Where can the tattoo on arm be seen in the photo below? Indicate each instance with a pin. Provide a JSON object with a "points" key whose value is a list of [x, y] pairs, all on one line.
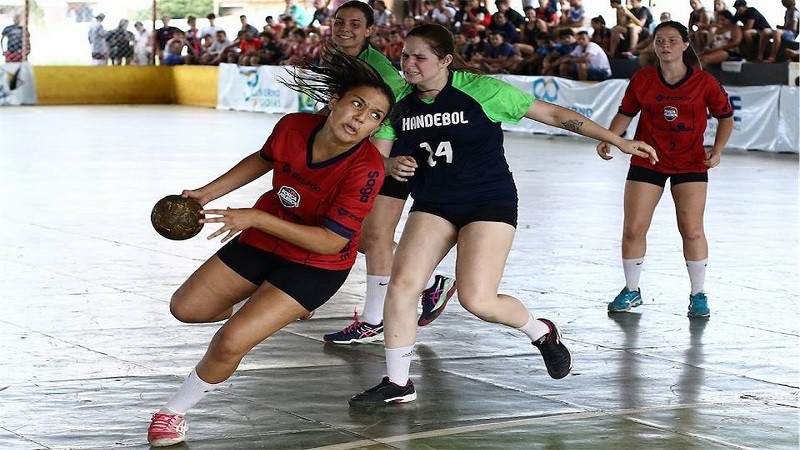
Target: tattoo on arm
{"points": [[572, 125]]}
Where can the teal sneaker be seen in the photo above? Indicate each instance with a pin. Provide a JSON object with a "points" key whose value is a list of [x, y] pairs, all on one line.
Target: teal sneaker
{"points": [[626, 300], [698, 305]]}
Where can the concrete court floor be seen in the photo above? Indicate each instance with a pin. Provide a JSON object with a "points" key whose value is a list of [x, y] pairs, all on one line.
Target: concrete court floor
{"points": [[88, 349]]}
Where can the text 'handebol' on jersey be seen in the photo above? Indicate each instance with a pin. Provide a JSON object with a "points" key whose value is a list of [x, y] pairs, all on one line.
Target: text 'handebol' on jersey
{"points": [[434, 120]]}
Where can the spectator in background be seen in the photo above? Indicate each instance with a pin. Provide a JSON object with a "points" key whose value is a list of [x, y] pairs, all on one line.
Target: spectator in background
{"points": [[528, 33], [443, 14], [163, 35], [786, 32], [12, 35], [97, 40], [726, 41], [395, 48], [511, 14], [143, 45], [288, 25], [499, 57], [633, 25], [297, 50], [754, 28], [699, 23], [247, 27], [297, 12], [210, 30], [213, 54], [248, 45], [173, 51], [601, 34], [566, 44], [193, 40], [276, 28], [408, 23], [587, 62], [321, 13], [476, 45], [501, 25], [479, 16], [120, 44], [382, 14], [546, 17]]}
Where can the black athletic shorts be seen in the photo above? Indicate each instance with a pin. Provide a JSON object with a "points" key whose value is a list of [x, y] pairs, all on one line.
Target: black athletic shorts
{"points": [[395, 189], [310, 286], [636, 173], [461, 219]]}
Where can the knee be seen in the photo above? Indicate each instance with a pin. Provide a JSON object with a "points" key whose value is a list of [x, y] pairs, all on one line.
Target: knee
{"points": [[181, 308], [227, 345], [479, 305], [692, 233], [634, 232]]}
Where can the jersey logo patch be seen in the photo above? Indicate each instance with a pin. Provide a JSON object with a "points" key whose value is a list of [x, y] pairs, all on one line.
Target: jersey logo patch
{"points": [[289, 197], [670, 113]]}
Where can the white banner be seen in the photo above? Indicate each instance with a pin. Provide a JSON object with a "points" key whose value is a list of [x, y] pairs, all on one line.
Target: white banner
{"points": [[755, 118], [597, 101], [17, 86], [789, 120], [243, 88]]}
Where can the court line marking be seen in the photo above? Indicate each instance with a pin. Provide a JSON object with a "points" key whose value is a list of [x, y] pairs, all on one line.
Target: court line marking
{"points": [[519, 422]]}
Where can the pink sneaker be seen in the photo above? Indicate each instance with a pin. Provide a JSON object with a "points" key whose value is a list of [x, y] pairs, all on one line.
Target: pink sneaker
{"points": [[166, 429]]}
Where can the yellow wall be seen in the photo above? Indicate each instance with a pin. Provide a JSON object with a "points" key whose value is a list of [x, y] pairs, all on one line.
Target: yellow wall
{"points": [[86, 85]]}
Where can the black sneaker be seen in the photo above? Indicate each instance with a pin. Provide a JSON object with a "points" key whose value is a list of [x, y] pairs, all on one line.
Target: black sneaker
{"points": [[556, 355], [386, 392]]}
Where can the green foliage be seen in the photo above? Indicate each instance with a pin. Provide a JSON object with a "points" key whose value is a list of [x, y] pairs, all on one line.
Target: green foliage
{"points": [[179, 9]]}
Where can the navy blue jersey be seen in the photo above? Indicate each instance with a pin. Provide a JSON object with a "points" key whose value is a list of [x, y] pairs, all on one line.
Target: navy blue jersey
{"points": [[457, 142]]}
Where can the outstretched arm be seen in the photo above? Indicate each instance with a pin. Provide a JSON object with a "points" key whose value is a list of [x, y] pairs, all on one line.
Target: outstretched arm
{"points": [[247, 170], [618, 126], [558, 116]]}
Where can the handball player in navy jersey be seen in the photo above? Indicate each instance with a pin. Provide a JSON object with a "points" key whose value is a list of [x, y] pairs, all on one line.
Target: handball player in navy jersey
{"points": [[290, 252], [448, 143], [673, 99], [353, 25]]}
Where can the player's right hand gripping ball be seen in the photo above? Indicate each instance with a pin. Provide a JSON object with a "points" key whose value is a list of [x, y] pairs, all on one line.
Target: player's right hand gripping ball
{"points": [[176, 217]]}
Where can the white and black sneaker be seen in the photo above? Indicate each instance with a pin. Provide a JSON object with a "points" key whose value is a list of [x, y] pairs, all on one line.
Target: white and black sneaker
{"points": [[386, 392], [556, 355]]}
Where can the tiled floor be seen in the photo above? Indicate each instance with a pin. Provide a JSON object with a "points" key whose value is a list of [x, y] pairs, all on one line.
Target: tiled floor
{"points": [[88, 349]]}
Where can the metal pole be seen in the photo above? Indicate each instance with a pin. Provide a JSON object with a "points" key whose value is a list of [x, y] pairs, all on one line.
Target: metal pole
{"points": [[153, 32], [26, 44]]}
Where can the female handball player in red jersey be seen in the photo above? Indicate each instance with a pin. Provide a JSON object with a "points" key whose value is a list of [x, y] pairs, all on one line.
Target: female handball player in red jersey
{"points": [[673, 98], [299, 241]]}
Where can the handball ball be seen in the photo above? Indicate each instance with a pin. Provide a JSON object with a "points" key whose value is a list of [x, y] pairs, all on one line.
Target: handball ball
{"points": [[176, 217]]}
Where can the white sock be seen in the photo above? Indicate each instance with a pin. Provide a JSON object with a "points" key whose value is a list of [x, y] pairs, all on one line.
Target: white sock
{"points": [[534, 328], [697, 275], [633, 270], [398, 364], [376, 295], [192, 391]]}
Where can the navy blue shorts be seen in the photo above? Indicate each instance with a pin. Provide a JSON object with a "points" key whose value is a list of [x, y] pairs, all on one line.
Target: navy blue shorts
{"points": [[395, 189], [460, 219], [636, 173], [310, 286]]}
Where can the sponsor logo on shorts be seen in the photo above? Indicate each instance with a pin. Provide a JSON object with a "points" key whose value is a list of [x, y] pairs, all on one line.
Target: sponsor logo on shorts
{"points": [[289, 197], [670, 113]]}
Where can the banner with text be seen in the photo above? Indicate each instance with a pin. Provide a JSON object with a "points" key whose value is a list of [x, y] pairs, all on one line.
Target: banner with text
{"points": [[17, 86], [765, 117]]}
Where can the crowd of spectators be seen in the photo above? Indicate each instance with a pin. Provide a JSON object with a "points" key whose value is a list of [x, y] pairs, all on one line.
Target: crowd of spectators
{"points": [[548, 37]]}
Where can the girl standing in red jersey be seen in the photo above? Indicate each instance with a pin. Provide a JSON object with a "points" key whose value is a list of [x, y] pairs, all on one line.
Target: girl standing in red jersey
{"points": [[673, 98], [299, 241]]}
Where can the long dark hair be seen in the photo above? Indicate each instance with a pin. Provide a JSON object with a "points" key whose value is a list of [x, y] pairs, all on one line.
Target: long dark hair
{"points": [[339, 74], [441, 42], [690, 57]]}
